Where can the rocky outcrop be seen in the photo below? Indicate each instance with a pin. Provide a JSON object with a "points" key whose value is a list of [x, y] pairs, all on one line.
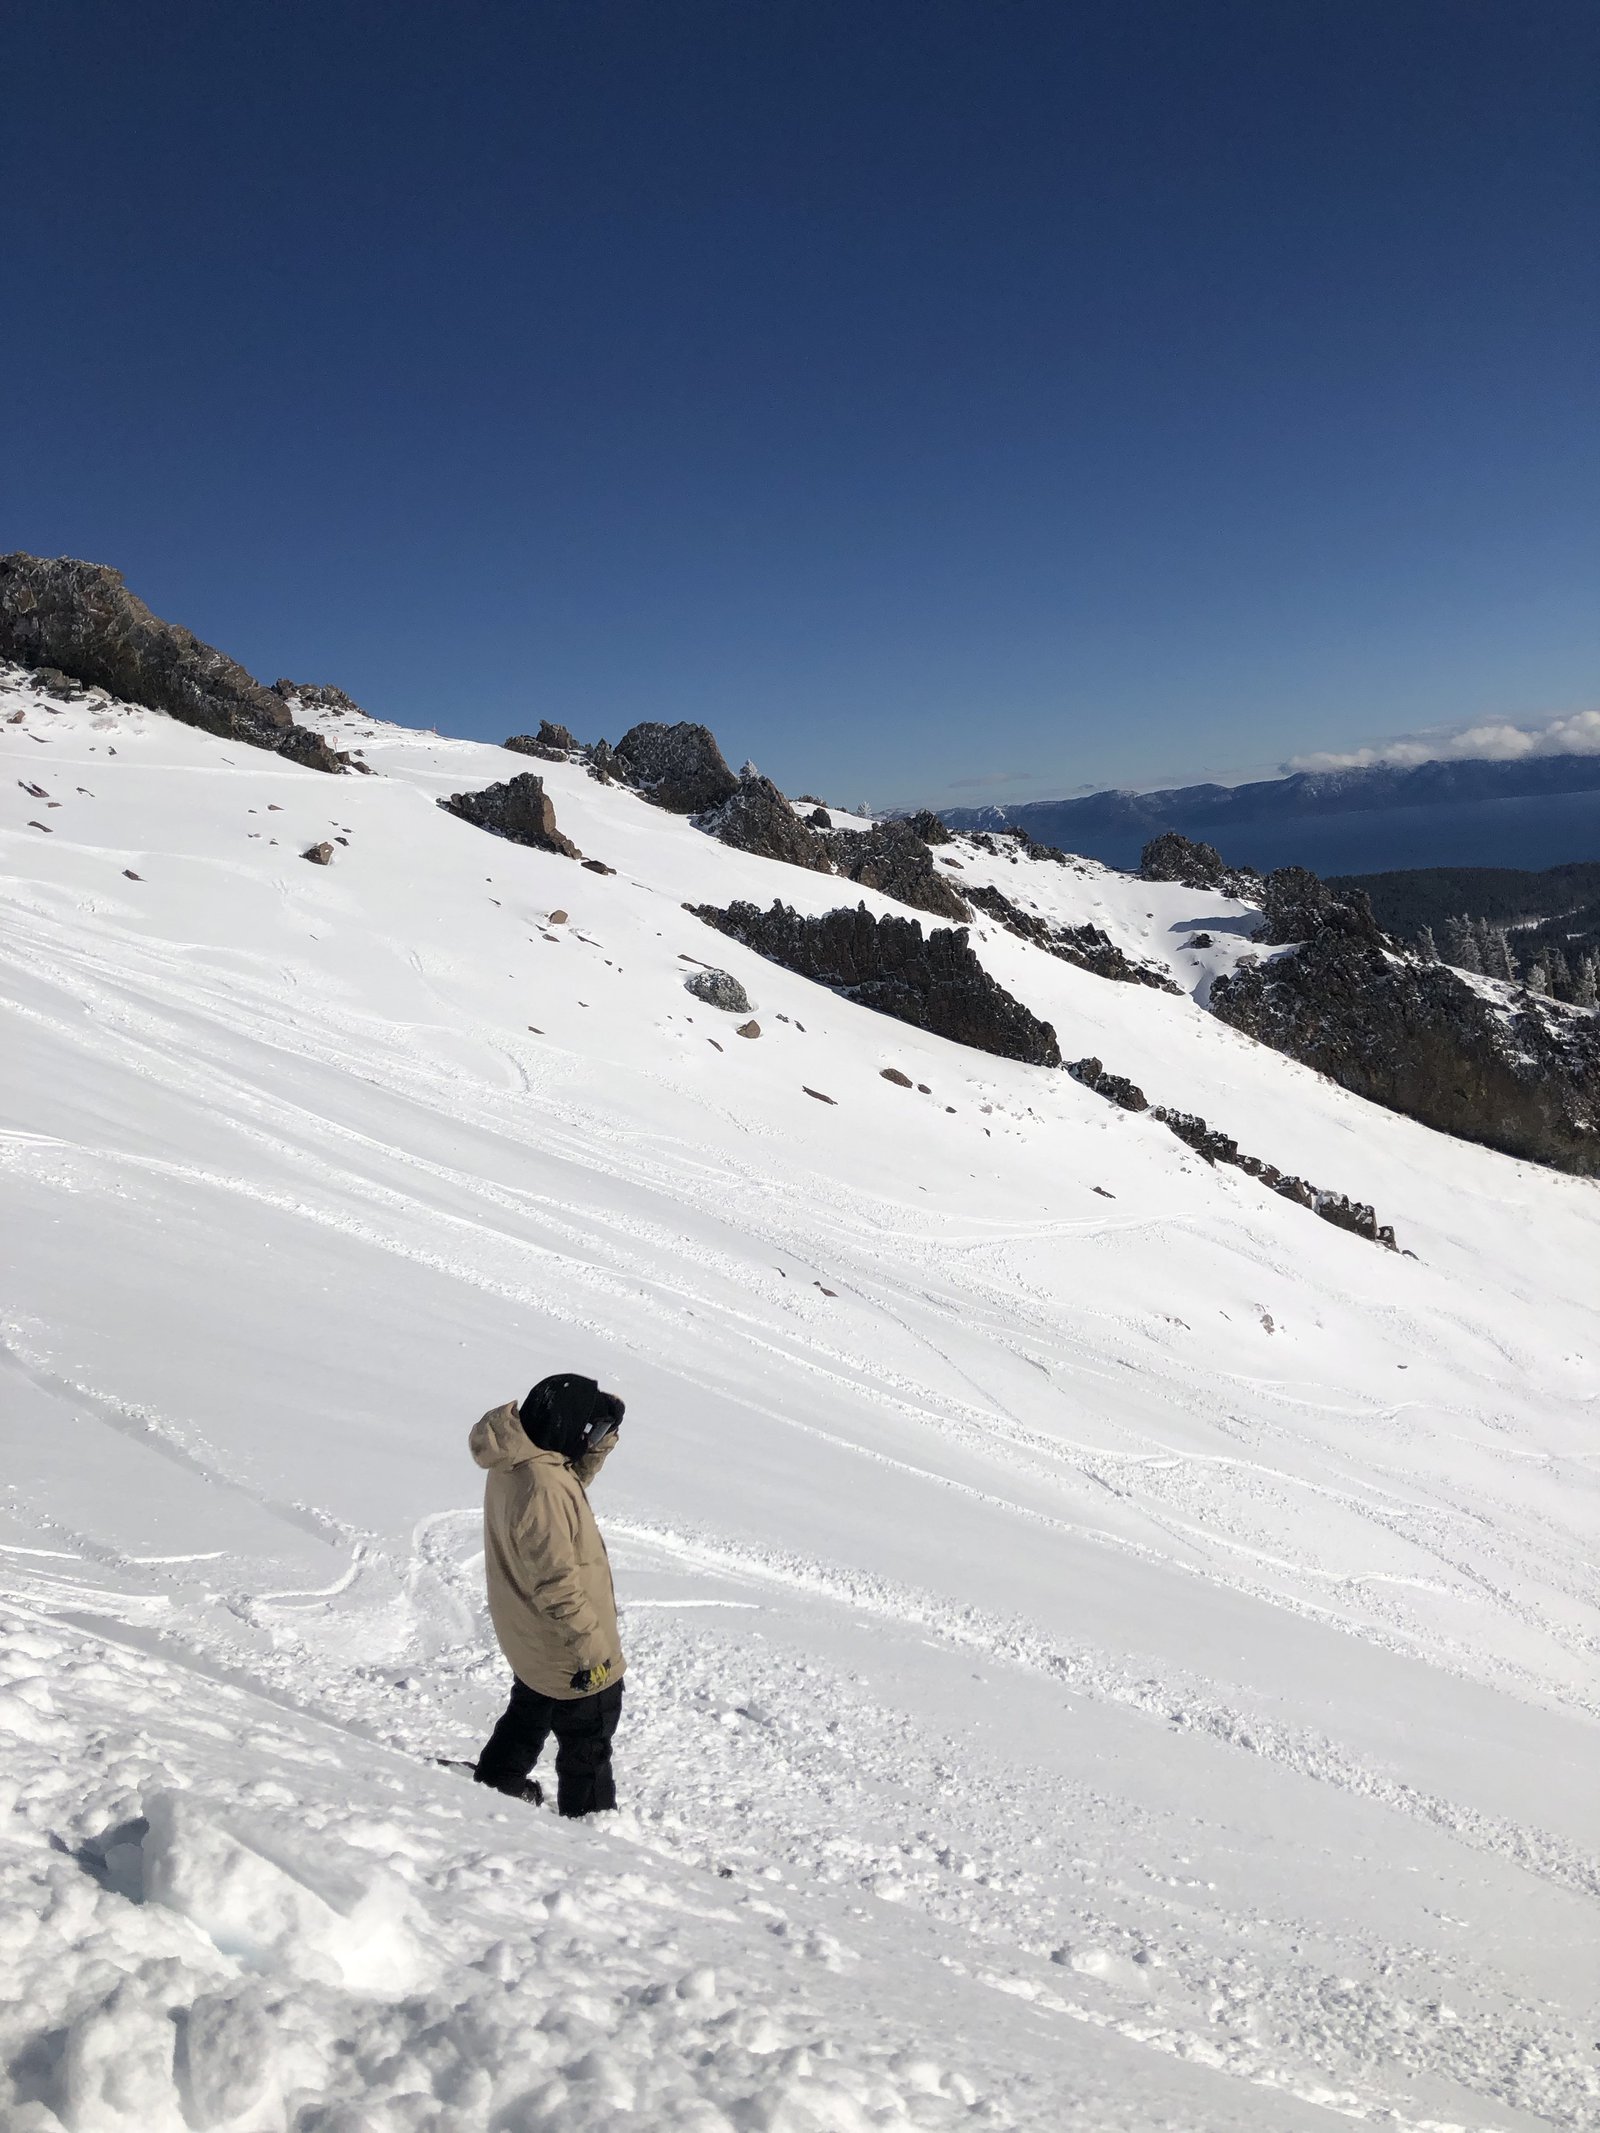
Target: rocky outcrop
{"points": [[554, 744], [1170, 857], [757, 818], [680, 768], [891, 858], [1014, 844], [1089, 947], [1296, 904], [519, 811], [1481, 1061], [1115, 1088], [930, 829], [934, 983], [1214, 1147], [317, 696], [81, 618]]}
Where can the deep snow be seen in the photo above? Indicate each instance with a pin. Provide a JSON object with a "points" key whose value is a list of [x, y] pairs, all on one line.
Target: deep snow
{"points": [[1098, 1659]]}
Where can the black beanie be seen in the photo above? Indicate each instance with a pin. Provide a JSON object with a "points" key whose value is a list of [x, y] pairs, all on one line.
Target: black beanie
{"points": [[557, 1413]]}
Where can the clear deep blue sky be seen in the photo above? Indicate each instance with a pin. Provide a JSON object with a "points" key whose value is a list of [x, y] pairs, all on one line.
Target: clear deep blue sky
{"points": [[925, 395]]}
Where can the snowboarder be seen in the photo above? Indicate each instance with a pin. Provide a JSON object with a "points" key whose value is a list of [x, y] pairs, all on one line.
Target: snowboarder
{"points": [[550, 1593]]}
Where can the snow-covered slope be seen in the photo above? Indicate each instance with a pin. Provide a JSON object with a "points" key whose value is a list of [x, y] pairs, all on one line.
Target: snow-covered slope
{"points": [[1107, 1649]]}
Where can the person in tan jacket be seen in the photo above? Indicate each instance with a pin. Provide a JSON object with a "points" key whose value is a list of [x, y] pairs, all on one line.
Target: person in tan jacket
{"points": [[550, 1594]]}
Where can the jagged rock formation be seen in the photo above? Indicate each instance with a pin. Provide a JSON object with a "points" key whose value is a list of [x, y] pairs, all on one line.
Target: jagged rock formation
{"points": [[930, 829], [81, 618], [317, 696], [680, 768], [1296, 904], [757, 818], [553, 743], [1089, 947], [1193, 865], [1483, 1062], [718, 988], [1115, 1088], [1214, 1147], [891, 858], [935, 984], [1007, 843], [520, 810]]}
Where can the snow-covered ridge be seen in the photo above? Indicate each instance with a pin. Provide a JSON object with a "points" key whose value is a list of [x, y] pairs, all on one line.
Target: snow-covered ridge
{"points": [[1105, 1650]]}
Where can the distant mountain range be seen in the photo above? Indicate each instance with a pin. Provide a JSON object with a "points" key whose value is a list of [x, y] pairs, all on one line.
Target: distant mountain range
{"points": [[1540, 812]]}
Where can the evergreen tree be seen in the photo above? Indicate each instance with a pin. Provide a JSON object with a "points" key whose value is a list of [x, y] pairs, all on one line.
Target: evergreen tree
{"points": [[1498, 961], [1461, 944], [1586, 983], [1560, 975], [1539, 977], [1427, 946]]}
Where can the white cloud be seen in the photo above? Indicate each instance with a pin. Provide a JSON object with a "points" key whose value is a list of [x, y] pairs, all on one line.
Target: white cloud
{"points": [[1493, 741]]}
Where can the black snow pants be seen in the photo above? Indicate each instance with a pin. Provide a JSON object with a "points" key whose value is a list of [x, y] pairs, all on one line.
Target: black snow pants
{"points": [[582, 1725]]}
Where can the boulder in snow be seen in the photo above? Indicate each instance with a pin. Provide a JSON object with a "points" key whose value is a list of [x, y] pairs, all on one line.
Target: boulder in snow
{"points": [[719, 988], [520, 811]]}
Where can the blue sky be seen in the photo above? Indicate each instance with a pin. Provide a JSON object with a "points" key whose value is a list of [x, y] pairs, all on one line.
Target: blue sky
{"points": [[944, 402]]}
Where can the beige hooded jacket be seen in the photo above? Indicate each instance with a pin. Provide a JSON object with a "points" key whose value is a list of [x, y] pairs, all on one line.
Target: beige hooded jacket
{"points": [[550, 1595]]}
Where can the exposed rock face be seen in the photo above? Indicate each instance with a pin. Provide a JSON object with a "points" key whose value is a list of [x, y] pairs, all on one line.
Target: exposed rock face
{"points": [[1115, 1088], [553, 743], [891, 858], [1295, 904], [317, 696], [320, 855], [1214, 1147], [604, 765], [1089, 947], [82, 619], [680, 768], [930, 829], [1007, 843], [757, 818], [1513, 1072], [1170, 857], [519, 810], [935, 983], [719, 988]]}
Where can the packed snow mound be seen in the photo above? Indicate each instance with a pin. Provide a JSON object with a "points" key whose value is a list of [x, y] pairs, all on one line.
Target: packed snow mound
{"points": [[1106, 1649]]}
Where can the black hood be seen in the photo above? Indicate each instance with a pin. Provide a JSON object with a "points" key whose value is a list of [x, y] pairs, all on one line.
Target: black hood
{"points": [[568, 1414]]}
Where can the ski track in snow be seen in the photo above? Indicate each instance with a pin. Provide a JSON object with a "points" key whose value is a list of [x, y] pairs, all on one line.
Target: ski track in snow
{"points": [[1075, 1680]]}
